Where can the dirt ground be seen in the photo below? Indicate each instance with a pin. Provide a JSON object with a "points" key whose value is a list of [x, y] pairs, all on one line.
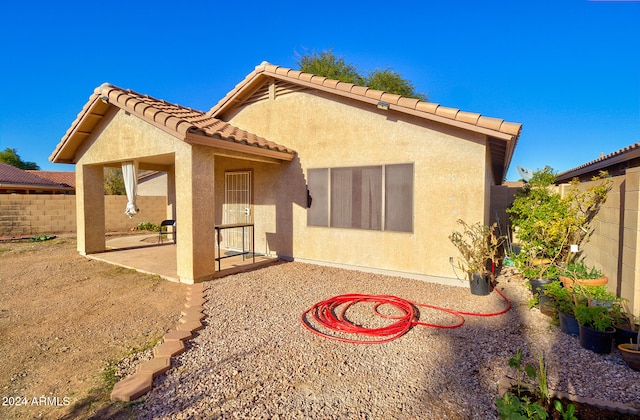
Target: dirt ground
{"points": [[64, 318]]}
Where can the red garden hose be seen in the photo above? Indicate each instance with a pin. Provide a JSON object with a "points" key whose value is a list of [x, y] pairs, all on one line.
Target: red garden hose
{"points": [[330, 315]]}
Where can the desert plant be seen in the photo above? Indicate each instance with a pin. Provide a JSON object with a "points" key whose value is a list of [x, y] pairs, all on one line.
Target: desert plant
{"points": [[563, 299], [595, 317], [533, 405], [148, 226], [579, 270], [548, 223], [478, 244]]}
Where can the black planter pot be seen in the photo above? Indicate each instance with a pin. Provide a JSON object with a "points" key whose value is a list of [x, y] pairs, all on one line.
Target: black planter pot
{"points": [[545, 303], [625, 336], [538, 285], [569, 324], [597, 341], [480, 284]]}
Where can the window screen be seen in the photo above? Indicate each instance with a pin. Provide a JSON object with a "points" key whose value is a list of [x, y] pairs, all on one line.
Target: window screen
{"points": [[398, 198], [356, 197], [318, 184]]}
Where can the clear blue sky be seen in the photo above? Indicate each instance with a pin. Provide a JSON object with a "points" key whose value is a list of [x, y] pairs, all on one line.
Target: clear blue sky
{"points": [[569, 71]]}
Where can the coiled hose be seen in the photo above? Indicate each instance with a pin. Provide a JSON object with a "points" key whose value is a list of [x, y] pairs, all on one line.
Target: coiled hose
{"points": [[330, 314]]}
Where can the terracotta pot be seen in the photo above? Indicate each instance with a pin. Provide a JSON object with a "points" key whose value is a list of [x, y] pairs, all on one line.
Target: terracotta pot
{"points": [[631, 355], [568, 282]]}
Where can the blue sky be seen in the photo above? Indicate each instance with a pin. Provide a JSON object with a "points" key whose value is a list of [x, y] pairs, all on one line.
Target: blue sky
{"points": [[569, 71]]}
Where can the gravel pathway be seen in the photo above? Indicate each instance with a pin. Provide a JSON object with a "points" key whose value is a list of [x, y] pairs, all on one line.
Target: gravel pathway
{"points": [[255, 360]]}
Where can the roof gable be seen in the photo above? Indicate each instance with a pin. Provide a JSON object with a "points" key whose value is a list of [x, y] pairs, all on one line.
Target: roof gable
{"points": [[187, 124], [298, 80], [257, 85]]}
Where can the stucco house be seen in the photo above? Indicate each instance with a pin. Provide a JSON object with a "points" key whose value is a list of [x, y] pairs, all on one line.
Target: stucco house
{"points": [[326, 172]]}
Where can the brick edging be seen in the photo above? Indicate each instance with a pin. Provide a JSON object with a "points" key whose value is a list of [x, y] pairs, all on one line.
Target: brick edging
{"points": [[138, 384]]}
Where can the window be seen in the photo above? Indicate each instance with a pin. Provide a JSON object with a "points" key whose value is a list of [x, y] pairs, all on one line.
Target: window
{"points": [[318, 184], [355, 197], [398, 198]]}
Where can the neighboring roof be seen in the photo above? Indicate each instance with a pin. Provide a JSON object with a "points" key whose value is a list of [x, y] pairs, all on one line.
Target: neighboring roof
{"points": [[505, 134], [602, 163], [64, 178], [16, 178], [189, 125]]}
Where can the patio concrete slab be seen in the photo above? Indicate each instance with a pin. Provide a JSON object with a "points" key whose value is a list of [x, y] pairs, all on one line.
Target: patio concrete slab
{"points": [[143, 253]]}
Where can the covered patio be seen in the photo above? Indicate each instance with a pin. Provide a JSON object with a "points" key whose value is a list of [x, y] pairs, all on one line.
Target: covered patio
{"points": [[196, 151], [143, 253]]}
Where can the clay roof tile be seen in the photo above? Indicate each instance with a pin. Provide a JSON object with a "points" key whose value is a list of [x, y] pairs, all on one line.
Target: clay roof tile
{"points": [[446, 112], [490, 123]]}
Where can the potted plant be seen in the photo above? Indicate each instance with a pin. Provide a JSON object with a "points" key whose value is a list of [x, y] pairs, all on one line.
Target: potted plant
{"points": [[564, 301], [579, 272], [478, 245], [596, 327], [547, 224], [630, 353], [627, 326]]}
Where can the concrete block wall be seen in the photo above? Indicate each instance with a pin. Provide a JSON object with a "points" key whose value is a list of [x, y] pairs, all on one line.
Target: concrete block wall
{"points": [[152, 209], [42, 214], [35, 214], [614, 246]]}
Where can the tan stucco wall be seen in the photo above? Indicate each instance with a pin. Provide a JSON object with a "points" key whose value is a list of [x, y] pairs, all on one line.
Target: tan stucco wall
{"points": [[153, 185], [120, 137], [450, 181]]}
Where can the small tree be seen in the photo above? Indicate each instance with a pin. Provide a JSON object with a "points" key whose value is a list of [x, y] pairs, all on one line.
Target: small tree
{"points": [[113, 182], [328, 65], [11, 157], [547, 223], [390, 81]]}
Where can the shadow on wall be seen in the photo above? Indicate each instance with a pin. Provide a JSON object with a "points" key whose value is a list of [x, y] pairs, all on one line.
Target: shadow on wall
{"points": [[290, 190]]}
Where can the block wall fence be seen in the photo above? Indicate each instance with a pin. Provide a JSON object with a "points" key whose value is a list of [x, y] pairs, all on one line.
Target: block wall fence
{"points": [[43, 214]]}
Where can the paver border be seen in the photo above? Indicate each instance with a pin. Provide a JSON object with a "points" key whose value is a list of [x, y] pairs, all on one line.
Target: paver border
{"points": [[191, 317]]}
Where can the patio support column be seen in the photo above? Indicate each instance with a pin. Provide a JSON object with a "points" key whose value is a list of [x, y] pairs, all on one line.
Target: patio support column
{"points": [[171, 193], [195, 215], [90, 208]]}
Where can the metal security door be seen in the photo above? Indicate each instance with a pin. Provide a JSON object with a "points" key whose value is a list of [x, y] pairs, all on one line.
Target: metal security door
{"points": [[237, 199]]}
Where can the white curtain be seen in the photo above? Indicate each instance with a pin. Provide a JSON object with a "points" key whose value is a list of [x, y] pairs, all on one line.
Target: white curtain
{"points": [[131, 186]]}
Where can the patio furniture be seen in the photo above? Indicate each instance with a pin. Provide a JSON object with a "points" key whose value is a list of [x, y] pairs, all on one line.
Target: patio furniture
{"points": [[164, 230]]}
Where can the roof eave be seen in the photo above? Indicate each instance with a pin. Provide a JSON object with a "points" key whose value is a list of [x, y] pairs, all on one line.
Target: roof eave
{"points": [[599, 164], [219, 142]]}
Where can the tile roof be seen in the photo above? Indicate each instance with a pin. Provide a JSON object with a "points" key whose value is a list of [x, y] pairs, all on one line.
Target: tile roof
{"points": [[10, 177], [187, 124], [505, 132], [473, 121], [64, 178], [622, 155]]}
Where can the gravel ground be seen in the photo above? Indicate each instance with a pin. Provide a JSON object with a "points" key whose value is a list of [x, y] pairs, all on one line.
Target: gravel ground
{"points": [[255, 360]]}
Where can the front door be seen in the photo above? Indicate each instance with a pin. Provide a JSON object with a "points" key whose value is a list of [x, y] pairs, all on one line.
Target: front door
{"points": [[237, 200]]}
